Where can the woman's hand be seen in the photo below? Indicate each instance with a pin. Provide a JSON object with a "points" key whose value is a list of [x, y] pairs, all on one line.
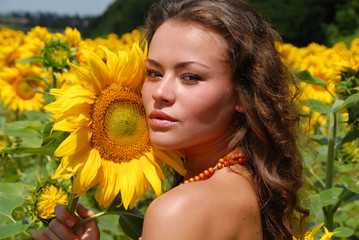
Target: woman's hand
{"points": [[59, 227]]}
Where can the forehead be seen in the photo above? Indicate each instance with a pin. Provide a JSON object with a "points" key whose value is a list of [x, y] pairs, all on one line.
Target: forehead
{"points": [[183, 39]]}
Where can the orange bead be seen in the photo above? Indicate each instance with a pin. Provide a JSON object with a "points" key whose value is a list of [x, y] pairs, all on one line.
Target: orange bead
{"points": [[232, 157], [230, 162], [211, 170], [202, 176], [196, 178], [226, 163], [186, 181], [221, 160], [191, 179], [219, 165]]}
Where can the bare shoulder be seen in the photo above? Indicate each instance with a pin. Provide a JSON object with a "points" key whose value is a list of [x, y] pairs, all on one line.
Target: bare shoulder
{"points": [[222, 207]]}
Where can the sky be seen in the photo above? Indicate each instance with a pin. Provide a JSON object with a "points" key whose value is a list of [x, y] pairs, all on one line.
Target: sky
{"points": [[69, 7]]}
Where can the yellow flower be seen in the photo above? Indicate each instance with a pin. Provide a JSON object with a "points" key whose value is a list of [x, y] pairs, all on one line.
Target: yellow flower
{"points": [[48, 199], [344, 60], [17, 91], [310, 235], [108, 142]]}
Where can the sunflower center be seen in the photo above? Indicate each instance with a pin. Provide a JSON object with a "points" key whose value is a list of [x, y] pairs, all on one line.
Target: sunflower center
{"points": [[24, 90], [119, 124], [59, 56]]}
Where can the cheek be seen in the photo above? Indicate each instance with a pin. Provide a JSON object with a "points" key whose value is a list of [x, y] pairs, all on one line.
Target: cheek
{"points": [[213, 110]]}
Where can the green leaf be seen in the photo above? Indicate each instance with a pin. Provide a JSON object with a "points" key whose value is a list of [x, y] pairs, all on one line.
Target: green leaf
{"points": [[14, 188], [13, 229], [325, 198], [349, 183], [23, 128], [36, 116], [8, 202], [351, 135], [306, 77], [318, 106], [131, 222], [347, 102], [47, 149], [343, 232]]}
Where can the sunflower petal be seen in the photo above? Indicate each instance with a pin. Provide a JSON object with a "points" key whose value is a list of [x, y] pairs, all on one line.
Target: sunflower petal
{"points": [[87, 177], [151, 174], [172, 159], [98, 68], [86, 78], [74, 142]]}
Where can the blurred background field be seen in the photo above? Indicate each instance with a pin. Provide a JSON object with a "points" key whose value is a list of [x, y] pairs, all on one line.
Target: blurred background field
{"points": [[320, 44]]}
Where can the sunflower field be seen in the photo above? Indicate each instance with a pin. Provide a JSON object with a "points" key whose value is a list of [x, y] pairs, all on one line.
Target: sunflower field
{"points": [[50, 101]]}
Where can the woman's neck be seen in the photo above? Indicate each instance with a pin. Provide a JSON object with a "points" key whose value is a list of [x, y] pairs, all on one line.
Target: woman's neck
{"points": [[199, 158]]}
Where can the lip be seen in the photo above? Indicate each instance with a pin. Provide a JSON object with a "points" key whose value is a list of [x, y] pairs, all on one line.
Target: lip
{"points": [[160, 119]]}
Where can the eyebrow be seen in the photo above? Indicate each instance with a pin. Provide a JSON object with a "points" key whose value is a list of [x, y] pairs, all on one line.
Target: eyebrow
{"points": [[178, 65]]}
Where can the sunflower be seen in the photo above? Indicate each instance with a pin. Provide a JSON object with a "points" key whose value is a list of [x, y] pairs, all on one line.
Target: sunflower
{"points": [[41, 201], [18, 86], [108, 142], [50, 196]]}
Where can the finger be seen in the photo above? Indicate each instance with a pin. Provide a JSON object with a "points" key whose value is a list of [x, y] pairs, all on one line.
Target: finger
{"points": [[64, 216], [38, 235], [50, 234], [84, 212], [60, 230], [90, 228]]}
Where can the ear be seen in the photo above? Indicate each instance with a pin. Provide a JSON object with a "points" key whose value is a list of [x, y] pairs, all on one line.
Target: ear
{"points": [[239, 108]]}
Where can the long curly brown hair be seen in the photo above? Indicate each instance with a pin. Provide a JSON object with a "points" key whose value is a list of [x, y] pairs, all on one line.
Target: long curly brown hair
{"points": [[267, 131]]}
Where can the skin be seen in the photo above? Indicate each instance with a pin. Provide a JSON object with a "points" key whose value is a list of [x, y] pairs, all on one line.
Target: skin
{"points": [[190, 105], [59, 227]]}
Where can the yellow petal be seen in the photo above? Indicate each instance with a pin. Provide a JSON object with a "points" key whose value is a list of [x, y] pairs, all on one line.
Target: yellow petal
{"points": [[87, 176], [151, 174], [315, 230], [172, 159], [71, 124], [133, 72], [62, 170], [74, 142], [105, 194], [98, 68], [86, 78], [111, 62]]}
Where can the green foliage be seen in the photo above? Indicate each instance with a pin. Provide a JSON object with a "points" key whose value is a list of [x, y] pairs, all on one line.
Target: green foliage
{"points": [[121, 17], [301, 22], [334, 173]]}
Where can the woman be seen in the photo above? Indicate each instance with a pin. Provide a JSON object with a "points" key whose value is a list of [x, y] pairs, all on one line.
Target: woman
{"points": [[216, 87]]}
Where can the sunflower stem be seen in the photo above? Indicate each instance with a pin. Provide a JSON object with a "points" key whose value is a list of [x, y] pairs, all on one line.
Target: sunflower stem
{"points": [[26, 234], [71, 206], [54, 80], [85, 220]]}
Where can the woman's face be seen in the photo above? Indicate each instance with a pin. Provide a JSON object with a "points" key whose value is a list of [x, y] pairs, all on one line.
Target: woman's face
{"points": [[187, 93]]}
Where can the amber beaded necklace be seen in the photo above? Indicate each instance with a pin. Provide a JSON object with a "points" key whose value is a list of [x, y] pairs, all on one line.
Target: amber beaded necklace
{"points": [[222, 162]]}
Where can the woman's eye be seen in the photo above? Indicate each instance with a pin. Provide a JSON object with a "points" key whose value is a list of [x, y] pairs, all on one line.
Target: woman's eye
{"points": [[191, 77], [153, 74]]}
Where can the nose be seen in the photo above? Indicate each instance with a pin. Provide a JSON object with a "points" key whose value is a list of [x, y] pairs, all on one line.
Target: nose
{"points": [[164, 90]]}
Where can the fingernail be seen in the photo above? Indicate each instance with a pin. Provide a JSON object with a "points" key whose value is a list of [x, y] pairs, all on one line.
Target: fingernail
{"points": [[69, 222]]}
